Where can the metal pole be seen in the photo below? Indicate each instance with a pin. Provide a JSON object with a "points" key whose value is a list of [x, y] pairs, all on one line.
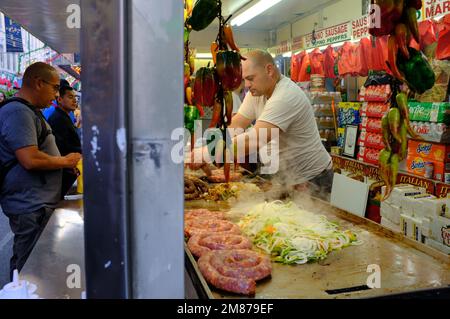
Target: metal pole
{"points": [[132, 56], [104, 56], [156, 100]]}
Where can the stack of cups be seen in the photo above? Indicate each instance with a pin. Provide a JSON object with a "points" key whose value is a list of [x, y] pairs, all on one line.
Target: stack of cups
{"points": [[18, 289]]}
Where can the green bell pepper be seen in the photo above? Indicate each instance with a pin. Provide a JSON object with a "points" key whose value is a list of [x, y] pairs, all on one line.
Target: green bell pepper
{"points": [[417, 70]]}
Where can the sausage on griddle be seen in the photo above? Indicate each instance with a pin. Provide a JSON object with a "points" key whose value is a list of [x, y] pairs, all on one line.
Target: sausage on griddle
{"points": [[203, 243], [235, 270]]}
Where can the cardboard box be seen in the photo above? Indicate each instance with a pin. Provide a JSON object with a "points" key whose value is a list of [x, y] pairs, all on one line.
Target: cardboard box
{"points": [[416, 229], [385, 210], [371, 125], [432, 151], [383, 192], [368, 155], [417, 166], [432, 132], [406, 225], [409, 203], [411, 227], [426, 227], [371, 140], [390, 212], [389, 225], [438, 246], [401, 191], [431, 207], [429, 112], [374, 109], [440, 230]]}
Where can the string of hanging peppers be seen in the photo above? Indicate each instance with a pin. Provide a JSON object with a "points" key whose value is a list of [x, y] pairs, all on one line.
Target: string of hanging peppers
{"points": [[213, 85], [412, 73]]}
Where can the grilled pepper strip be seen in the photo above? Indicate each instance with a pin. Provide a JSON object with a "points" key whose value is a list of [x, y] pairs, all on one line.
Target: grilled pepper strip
{"points": [[402, 102], [394, 169], [386, 132], [403, 38], [411, 20], [394, 123], [385, 156], [392, 58], [217, 110], [214, 50], [404, 145], [229, 106], [229, 37]]}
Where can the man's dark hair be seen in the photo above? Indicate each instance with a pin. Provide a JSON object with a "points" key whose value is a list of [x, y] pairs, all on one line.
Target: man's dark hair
{"points": [[63, 82], [64, 89]]}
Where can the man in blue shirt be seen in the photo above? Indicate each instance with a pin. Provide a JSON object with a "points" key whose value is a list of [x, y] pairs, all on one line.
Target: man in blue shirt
{"points": [[51, 109], [31, 187]]}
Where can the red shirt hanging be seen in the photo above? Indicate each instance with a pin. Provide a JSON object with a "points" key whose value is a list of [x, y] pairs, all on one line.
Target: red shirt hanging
{"points": [[304, 75], [330, 56], [317, 66], [295, 67]]}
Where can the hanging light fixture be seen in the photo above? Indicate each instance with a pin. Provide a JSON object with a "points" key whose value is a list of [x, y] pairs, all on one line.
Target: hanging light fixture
{"points": [[253, 11]]}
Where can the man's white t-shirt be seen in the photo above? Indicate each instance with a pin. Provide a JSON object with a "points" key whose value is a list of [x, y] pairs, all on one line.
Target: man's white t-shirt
{"points": [[236, 103], [302, 155]]}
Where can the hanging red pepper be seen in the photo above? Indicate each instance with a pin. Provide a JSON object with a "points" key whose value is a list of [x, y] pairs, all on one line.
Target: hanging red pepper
{"points": [[205, 87], [229, 69], [390, 12]]}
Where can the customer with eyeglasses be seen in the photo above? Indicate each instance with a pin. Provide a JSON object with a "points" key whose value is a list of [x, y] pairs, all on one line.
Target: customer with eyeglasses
{"points": [[31, 164]]}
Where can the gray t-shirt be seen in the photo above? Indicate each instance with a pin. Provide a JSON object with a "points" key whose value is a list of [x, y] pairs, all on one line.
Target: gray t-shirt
{"points": [[25, 191]]}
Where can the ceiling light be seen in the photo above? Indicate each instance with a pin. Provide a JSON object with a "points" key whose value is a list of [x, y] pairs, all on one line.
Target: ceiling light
{"points": [[206, 56], [253, 11]]}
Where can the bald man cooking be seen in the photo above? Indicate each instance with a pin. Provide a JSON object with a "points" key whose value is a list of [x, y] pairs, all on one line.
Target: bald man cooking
{"points": [[278, 105]]}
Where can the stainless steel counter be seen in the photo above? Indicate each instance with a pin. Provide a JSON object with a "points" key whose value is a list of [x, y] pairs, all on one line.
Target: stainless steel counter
{"points": [[56, 264]]}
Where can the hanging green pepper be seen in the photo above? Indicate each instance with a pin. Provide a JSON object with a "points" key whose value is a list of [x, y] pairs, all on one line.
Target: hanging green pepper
{"points": [[417, 70], [229, 69], [203, 14], [191, 114]]}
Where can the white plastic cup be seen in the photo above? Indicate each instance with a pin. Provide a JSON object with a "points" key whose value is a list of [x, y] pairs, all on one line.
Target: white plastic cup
{"points": [[15, 291]]}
